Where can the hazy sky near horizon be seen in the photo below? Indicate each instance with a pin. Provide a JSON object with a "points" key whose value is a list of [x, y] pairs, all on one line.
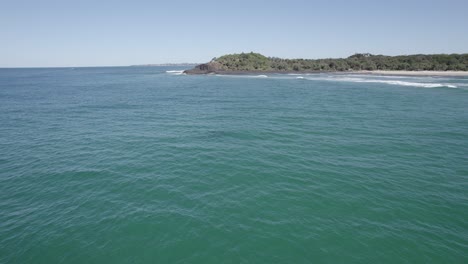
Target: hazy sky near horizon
{"points": [[106, 33]]}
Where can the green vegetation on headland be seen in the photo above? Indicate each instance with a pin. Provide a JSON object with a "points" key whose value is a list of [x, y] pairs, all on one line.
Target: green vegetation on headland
{"points": [[255, 62]]}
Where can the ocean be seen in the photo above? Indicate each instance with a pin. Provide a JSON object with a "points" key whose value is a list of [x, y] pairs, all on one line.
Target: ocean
{"points": [[147, 165]]}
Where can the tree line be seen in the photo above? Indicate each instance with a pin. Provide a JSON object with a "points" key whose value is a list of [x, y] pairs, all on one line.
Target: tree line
{"points": [[361, 61]]}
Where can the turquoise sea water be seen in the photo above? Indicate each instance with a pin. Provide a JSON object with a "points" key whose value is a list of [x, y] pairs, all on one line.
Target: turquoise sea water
{"points": [[140, 165]]}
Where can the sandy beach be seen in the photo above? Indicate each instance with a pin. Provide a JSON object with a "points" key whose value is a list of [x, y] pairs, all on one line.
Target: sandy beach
{"points": [[378, 72], [416, 73]]}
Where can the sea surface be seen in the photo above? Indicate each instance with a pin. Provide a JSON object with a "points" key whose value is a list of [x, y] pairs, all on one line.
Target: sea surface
{"points": [[147, 165]]}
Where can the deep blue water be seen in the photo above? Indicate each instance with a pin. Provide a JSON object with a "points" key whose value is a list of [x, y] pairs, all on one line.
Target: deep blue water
{"points": [[138, 165]]}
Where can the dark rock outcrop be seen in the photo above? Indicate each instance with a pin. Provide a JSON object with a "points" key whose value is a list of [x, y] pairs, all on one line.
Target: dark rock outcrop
{"points": [[205, 68]]}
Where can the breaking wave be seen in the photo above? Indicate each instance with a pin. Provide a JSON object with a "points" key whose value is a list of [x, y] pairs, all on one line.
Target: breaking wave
{"points": [[390, 82], [175, 72], [422, 82], [415, 84]]}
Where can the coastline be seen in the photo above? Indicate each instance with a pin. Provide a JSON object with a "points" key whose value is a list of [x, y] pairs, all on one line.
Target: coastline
{"points": [[414, 73], [376, 72], [360, 63]]}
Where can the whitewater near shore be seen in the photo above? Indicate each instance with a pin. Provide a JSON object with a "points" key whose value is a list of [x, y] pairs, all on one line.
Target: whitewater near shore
{"points": [[414, 73], [426, 79]]}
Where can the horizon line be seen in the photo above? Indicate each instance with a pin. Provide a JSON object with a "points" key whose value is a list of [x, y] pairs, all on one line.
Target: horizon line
{"points": [[100, 66], [190, 63]]}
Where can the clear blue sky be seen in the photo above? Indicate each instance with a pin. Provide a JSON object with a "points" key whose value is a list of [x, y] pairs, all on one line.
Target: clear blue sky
{"points": [[92, 33]]}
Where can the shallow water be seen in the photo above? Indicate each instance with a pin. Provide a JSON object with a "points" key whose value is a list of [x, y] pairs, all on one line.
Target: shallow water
{"points": [[140, 165]]}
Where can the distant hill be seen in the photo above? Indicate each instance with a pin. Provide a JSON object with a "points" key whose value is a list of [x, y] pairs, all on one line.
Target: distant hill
{"points": [[255, 62]]}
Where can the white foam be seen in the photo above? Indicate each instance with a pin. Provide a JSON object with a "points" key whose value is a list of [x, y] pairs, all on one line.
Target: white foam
{"points": [[175, 72], [415, 84], [386, 81], [460, 84], [424, 82]]}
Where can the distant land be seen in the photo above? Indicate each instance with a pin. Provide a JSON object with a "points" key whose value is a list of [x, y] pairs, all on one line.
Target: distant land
{"points": [[166, 64], [420, 64]]}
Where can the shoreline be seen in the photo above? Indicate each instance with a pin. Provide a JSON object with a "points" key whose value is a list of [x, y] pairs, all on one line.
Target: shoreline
{"points": [[414, 73], [376, 72]]}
